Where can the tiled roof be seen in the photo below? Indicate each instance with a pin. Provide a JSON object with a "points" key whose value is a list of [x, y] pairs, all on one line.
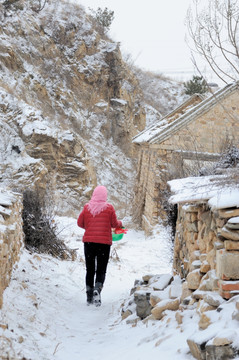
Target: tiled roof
{"points": [[182, 116]]}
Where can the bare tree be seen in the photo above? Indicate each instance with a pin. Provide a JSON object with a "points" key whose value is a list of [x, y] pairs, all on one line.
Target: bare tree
{"points": [[214, 36]]}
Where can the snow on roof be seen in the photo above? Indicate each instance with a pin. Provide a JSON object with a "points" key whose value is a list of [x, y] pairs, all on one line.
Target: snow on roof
{"points": [[147, 134], [215, 189], [187, 112], [227, 199]]}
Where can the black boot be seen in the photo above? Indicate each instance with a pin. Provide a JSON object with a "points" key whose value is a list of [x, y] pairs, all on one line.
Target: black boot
{"points": [[89, 295], [96, 293]]}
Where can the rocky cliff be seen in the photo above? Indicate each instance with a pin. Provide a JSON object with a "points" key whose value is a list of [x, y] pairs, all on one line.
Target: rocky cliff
{"points": [[69, 105]]}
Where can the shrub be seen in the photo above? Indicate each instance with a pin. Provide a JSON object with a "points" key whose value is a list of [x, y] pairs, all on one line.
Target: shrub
{"points": [[196, 86], [103, 18], [230, 157], [40, 229]]}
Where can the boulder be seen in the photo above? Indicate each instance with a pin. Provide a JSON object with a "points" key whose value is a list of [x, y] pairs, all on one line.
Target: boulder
{"points": [[227, 264], [228, 213], [160, 282], [231, 245], [199, 294], [213, 299], [230, 234], [196, 264], [193, 279], [204, 307], [220, 347], [158, 310], [126, 314], [197, 349], [219, 244], [195, 255], [209, 281], [205, 267], [221, 341], [157, 296], [186, 292], [220, 352], [143, 306], [197, 343], [204, 321]]}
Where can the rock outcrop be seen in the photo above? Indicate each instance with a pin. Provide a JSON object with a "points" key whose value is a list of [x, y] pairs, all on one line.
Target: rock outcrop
{"points": [[69, 104]]}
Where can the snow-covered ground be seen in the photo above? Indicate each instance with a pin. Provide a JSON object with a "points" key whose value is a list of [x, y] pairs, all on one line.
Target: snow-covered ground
{"points": [[45, 315]]}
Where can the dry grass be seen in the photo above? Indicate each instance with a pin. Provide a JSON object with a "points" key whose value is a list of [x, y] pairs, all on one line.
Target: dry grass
{"points": [[40, 229]]}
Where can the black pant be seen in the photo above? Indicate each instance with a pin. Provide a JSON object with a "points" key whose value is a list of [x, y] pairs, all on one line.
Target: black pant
{"points": [[96, 259]]}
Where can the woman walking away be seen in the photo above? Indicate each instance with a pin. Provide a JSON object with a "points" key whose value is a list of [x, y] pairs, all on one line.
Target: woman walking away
{"points": [[97, 218]]}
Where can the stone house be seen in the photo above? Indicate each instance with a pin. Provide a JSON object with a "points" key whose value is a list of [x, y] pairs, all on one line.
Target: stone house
{"points": [[179, 145]]}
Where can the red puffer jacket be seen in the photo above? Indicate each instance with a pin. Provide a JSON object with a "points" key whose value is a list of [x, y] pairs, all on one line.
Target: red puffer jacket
{"points": [[98, 228]]}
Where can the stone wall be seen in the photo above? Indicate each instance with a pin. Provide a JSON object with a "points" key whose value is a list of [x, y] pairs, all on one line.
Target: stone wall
{"points": [[210, 131], [152, 176], [11, 236], [202, 292], [208, 240]]}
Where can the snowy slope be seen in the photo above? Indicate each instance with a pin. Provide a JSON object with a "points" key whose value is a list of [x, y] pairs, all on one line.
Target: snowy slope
{"points": [[161, 94], [60, 76], [57, 70]]}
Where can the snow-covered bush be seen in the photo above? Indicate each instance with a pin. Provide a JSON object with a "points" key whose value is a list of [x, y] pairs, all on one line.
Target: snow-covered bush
{"points": [[103, 19], [40, 229], [229, 159]]}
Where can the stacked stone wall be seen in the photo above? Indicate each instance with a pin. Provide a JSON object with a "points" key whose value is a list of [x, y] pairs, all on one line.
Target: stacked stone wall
{"points": [[153, 174], [147, 193], [11, 236], [205, 276], [208, 240]]}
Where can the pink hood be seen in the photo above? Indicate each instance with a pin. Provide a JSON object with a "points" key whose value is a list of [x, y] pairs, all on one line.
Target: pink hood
{"points": [[98, 200]]}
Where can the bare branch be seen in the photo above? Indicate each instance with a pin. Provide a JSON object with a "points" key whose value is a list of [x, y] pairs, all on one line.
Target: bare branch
{"points": [[213, 32]]}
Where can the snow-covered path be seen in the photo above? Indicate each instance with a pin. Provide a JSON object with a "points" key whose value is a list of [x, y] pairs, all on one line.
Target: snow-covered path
{"points": [[45, 305]]}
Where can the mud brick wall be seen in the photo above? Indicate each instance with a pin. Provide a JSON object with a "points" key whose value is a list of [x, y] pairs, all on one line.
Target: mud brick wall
{"points": [[11, 236]]}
